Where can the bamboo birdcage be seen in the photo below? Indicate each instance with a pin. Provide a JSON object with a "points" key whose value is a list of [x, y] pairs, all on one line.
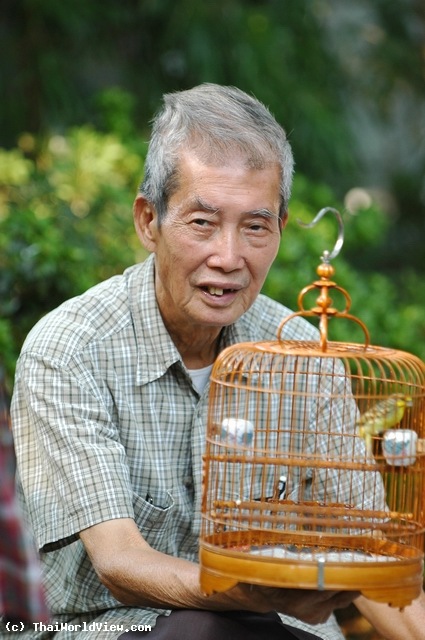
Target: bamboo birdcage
{"points": [[303, 487]]}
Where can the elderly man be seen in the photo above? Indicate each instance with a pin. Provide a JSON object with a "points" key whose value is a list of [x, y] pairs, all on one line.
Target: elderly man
{"points": [[111, 394]]}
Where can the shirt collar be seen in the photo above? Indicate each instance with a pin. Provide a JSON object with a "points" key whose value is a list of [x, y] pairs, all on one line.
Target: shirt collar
{"points": [[156, 351]]}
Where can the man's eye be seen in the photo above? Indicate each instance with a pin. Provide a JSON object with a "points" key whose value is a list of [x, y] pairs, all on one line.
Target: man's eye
{"points": [[258, 227], [201, 222]]}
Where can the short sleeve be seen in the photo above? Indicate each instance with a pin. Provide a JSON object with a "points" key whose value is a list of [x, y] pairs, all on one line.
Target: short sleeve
{"points": [[71, 462]]}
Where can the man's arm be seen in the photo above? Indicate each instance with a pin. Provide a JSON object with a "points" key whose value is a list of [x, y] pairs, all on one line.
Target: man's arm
{"points": [[393, 624], [138, 575]]}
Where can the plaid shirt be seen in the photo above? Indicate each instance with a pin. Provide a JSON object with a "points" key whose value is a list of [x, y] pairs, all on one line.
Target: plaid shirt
{"points": [[21, 595], [109, 425]]}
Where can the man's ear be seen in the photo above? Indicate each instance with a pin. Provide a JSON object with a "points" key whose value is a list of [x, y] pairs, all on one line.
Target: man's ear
{"points": [[145, 222], [283, 220]]}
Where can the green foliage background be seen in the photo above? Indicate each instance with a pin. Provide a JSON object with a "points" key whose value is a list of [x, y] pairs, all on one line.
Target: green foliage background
{"points": [[83, 79]]}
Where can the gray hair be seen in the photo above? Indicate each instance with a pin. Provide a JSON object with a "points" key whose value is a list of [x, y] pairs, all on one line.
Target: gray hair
{"points": [[216, 122]]}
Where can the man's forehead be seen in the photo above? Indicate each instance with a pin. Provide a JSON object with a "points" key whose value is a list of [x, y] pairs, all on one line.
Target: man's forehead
{"points": [[213, 187]]}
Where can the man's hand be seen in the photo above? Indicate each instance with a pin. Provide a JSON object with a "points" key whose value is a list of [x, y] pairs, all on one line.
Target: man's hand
{"points": [[395, 624], [308, 605]]}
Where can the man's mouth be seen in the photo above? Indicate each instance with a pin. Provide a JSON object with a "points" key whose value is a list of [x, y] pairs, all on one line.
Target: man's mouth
{"points": [[215, 291], [218, 291]]}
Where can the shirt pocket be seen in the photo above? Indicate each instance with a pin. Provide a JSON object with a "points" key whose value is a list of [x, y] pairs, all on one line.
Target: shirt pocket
{"points": [[156, 523]]}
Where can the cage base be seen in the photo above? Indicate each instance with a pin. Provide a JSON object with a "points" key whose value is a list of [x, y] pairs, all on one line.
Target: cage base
{"points": [[396, 580]]}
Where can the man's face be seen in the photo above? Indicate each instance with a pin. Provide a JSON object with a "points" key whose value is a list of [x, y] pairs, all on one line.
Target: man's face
{"points": [[215, 246]]}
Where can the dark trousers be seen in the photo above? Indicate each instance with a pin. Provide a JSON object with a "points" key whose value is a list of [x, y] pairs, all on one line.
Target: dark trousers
{"points": [[186, 624]]}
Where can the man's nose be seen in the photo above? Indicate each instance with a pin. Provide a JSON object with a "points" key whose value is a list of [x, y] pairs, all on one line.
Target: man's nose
{"points": [[227, 251]]}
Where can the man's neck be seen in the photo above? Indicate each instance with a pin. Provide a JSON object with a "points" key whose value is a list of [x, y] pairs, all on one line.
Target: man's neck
{"points": [[199, 349]]}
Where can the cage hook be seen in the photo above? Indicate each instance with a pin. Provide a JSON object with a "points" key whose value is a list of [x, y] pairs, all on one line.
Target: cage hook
{"points": [[327, 256]]}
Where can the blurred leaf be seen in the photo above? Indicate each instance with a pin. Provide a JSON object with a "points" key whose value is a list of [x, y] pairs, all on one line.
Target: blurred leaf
{"points": [[66, 223]]}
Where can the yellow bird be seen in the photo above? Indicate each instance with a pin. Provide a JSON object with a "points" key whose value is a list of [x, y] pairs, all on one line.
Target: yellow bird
{"points": [[383, 415]]}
